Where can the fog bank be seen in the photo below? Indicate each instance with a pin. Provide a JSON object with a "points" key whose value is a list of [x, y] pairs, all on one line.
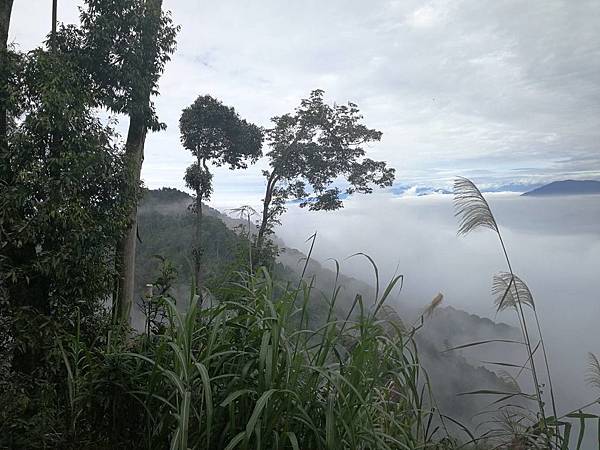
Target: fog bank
{"points": [[554, 245]]}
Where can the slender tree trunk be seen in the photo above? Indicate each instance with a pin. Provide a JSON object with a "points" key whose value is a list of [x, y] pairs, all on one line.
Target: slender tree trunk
{"points": [[54, 14], [53, 25], [197, 244], [5, 12], [260, 239], [134, 155]]}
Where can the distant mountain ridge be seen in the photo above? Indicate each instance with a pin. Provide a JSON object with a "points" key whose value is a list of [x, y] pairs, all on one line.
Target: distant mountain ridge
{"points": [[566, 187]]}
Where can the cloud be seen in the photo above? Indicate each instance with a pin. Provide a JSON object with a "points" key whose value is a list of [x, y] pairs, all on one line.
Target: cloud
{"points": [[455, 86], [554, 245], [424, 17]]}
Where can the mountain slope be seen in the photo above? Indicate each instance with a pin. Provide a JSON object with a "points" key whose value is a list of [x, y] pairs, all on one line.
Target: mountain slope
{"points": [[567, 187], [166, 229]]}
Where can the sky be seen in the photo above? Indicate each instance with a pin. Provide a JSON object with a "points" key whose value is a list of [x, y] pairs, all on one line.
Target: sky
{"points": [[499, 91]]}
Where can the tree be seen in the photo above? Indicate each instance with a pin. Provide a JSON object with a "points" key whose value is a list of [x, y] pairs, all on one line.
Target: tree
{"points": [[60, 208], [313, 147], [5, 12], [54, 14], [215, 134], [125, 46]]}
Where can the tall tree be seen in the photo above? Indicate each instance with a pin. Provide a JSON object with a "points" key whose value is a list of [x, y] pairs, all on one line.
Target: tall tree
{"points": [[215, 134], [5, 12], [126, 45], [312, 148], [54, 17], [60, 209]]}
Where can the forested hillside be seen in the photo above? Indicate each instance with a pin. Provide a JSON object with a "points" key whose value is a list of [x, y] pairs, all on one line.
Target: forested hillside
{"points": [[166, 228], [166, 223]]}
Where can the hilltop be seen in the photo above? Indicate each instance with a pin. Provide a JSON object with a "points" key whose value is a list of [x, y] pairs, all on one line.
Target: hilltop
{"points": [[566, 187]]}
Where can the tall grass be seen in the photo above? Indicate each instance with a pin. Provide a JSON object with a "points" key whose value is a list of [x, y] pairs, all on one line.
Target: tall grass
{"points": [[248, 372]]}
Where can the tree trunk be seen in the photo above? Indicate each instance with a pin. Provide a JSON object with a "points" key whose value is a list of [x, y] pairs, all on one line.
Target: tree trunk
{"points": [[5, 12], [53, 25], [134, 155], [265, 213], [54, 14], [197, 244]]}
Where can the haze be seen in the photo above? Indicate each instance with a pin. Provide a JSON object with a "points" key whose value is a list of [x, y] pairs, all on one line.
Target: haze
{"points": [[554, 244]]}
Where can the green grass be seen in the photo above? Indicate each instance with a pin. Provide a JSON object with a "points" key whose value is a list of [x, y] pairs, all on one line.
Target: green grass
{"points": [[247, 373]]}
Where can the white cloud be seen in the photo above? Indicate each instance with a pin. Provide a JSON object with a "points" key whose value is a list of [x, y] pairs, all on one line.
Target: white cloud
{"points": [[424, 17], [454, 86], [554, 244]]}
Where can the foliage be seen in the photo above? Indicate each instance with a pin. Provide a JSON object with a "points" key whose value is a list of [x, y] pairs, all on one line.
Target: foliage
{"points": [[62, 210], [244, 371], [61, 180], [216, 133], [312, 148], [247, 371], [153, 305], [125, 45], [166, 227], [250, 368], [199, 179]]}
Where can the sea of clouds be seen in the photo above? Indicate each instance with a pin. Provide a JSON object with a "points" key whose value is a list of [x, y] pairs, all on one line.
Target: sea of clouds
{"points": [[554, 245]]}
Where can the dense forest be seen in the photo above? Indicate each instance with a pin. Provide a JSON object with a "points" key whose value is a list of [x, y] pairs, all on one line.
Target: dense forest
{"points": [[137, 318]]}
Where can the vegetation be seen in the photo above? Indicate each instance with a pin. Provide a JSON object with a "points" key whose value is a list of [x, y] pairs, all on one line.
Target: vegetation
{"points": [[516, 423], [247, 364], [124, 47], [215, 134], [60, 180], [166, 229], [314, 146]]}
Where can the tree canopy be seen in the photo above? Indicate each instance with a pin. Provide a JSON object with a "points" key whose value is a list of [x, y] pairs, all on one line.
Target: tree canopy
{"points": [[61, 208], [317, 155], [215, 133], [125, 45]]}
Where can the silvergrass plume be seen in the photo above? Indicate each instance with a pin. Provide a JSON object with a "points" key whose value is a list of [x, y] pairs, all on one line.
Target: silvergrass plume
{"points": [[472, 208], [593, 374], [437, 300], [474, 212], [509, 290]]}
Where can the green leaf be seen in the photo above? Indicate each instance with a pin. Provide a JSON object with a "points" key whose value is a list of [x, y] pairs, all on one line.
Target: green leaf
{"points": [[258, 408]]}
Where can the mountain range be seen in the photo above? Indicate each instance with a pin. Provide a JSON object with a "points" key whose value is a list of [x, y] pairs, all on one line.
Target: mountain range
{"points": [[566, 187]]}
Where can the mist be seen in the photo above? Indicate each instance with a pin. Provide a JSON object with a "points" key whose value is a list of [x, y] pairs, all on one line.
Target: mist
{"points": [[553, 243]]}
